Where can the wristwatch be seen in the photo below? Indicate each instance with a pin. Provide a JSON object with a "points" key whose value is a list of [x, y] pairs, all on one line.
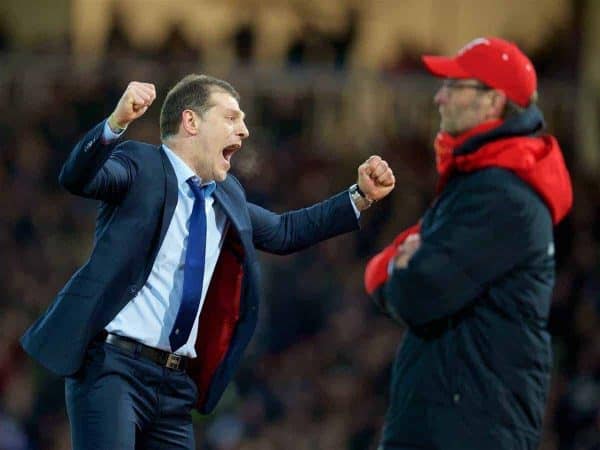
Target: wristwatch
{"points": [[113, 127], [360, 200]]}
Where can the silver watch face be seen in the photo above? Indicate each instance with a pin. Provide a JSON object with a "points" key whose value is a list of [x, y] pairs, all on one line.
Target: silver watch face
{"points": [[356, 197]]}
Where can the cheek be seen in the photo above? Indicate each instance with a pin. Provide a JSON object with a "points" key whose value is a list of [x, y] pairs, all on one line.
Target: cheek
{"points": [[221, 134], [452, 109], [462, 108]]}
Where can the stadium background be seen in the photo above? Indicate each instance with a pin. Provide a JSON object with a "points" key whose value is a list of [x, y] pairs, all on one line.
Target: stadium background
{"points": [[324, 84]]}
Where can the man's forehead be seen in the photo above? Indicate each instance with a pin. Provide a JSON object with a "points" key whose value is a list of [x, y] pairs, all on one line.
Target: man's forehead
{"points": [[225, 100]]}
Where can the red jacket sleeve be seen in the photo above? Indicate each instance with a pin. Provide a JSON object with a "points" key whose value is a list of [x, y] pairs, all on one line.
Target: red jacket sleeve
{"points": [[376, 273]]}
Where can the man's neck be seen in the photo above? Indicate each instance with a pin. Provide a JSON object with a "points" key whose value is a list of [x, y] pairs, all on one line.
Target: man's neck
{"points": [[182, 151]]}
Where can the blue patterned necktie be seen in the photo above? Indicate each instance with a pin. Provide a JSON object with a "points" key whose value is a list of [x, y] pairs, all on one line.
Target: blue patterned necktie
{"points": [[193, 272]]}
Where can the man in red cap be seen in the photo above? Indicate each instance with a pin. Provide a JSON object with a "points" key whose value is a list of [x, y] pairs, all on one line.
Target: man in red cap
{"points": [[472, 281]]}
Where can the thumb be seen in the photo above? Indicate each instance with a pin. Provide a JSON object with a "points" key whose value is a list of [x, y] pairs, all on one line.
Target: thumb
{"points": [[413, 238], [412, 245]]}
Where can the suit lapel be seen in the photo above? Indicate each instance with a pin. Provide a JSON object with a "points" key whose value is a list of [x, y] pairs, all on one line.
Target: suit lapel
{"points": [[228, 205], [170, 197]]}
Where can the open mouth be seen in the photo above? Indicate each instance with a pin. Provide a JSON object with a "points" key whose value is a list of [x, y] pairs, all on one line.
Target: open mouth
{"points": [[230, 150]]}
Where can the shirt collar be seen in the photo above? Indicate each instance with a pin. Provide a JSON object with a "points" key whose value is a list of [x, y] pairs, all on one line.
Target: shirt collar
{"points": [[183, 172]]}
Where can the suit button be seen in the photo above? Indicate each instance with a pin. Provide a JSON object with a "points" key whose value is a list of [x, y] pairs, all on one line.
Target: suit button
{"points": [[132, 289], [456, 398]]}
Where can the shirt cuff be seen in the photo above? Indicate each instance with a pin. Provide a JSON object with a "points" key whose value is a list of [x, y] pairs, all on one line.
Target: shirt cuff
{"points": [[109, 135], [356, 211]]}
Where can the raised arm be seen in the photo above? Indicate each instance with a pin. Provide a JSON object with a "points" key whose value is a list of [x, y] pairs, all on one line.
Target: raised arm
{"points": [[296, 230], [97, 167]]}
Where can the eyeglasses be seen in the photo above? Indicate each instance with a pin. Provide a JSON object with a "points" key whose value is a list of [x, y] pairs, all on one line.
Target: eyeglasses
{"points": [[459, 84]]}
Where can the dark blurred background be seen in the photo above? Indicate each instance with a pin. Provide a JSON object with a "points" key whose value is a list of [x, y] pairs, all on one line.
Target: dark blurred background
{"points": [[325, 84]]}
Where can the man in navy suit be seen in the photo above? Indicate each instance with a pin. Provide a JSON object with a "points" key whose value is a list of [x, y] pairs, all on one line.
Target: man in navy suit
{"points": [[156, 321]]}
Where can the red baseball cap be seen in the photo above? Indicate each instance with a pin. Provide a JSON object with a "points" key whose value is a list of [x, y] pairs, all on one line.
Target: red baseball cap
{"points": [[495, 62]]}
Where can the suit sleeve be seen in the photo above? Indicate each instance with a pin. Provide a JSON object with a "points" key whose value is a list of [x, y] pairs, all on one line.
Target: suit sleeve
{"points": [[97, 170], [484, 235], [295, 230]]}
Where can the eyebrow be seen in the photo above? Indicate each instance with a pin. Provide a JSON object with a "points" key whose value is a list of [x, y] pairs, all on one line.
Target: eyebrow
{"points": [[236, 113]]}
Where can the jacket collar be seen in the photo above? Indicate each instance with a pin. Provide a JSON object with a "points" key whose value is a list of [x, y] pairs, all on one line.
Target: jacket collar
{"points": [[528, 123], [224, 199]]}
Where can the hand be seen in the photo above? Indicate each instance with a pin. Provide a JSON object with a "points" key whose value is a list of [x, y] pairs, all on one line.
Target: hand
{"points": [[134, 102], [406, 251], [375, 178]]}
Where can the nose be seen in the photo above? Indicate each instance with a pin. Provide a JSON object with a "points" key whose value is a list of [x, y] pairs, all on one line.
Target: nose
{"points": [[243, 132], [441, 96]]}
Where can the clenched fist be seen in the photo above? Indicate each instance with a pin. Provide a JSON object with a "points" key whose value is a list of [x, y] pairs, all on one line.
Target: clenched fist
{"points": [[375, 178], [134, 102]]}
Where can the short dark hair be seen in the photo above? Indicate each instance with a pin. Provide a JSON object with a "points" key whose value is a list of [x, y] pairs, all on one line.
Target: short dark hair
{"points": [[191, 92]]}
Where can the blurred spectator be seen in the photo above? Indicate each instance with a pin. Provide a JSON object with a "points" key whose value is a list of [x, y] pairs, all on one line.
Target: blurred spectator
{"points": [[243, 41], [317, 378]]}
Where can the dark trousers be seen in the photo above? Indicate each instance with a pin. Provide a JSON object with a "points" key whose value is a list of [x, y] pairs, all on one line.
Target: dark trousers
{"points": [[121, 401]]}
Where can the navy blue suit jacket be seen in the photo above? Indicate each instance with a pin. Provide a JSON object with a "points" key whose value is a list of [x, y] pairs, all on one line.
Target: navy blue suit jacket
{"points": [[137, 189]]}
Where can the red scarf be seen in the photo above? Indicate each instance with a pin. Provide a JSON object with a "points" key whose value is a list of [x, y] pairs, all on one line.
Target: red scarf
{"points": [[445, 144]]}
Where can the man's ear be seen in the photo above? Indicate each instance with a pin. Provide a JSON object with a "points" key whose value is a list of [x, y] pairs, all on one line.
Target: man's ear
{"points": [[189, 122], [498, 103]]}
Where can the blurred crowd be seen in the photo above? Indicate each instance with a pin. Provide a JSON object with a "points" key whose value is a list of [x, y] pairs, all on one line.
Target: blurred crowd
{"points": [[316, 375]]}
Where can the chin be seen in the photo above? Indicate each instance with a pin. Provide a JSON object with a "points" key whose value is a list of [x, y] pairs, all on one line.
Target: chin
{"points": [[449, 129], [220, 176]]}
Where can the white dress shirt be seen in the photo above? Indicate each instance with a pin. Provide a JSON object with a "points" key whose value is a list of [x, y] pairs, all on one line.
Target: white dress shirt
{"points": [[150, 316]]}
